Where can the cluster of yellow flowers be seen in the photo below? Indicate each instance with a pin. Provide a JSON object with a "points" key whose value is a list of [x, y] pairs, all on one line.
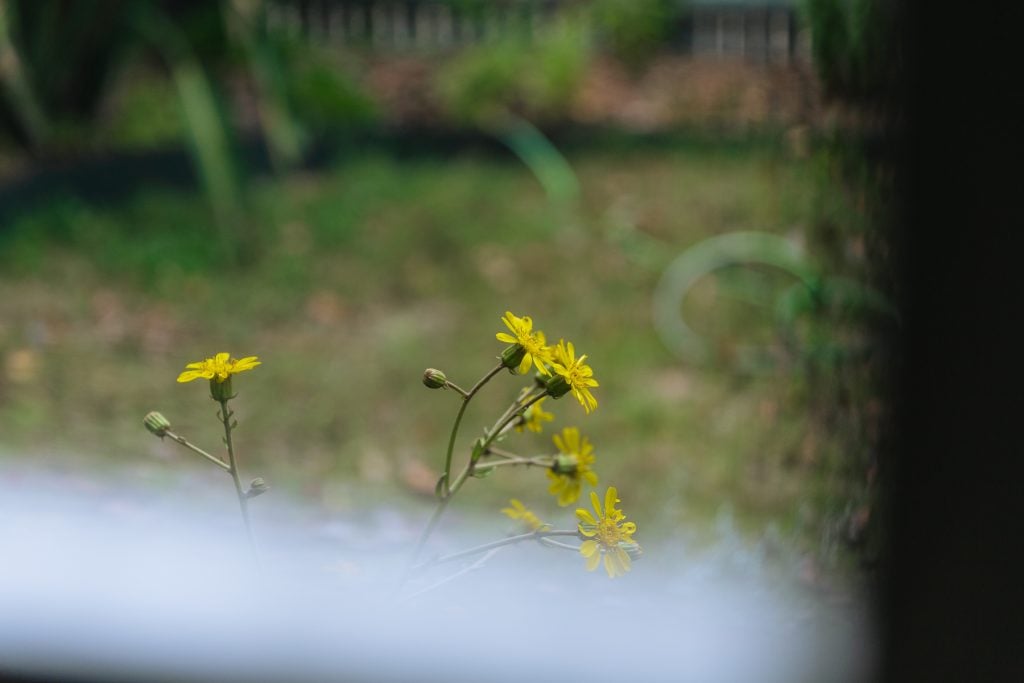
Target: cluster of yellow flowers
{"points": [[558, 363], [561, 371]]}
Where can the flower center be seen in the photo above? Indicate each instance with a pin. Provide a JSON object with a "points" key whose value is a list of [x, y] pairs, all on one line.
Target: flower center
{"points": [[608, 533], [573, 377], [529, 342]]}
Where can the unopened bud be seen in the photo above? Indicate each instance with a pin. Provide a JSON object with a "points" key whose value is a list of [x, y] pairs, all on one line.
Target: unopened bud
{"points": [[512, 357], [434, 379], [257, 487], [565, 464], [557, 386], [156, 423]]}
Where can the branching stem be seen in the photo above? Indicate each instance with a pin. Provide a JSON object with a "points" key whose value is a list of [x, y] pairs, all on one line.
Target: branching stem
{"points": [[542, 536], [243, 503]]}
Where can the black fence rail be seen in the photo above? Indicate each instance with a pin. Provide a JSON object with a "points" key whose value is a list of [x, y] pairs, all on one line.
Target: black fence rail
{"points": [[759, 30]]}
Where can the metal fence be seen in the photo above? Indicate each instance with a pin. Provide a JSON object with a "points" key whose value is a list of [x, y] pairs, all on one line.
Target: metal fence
{"points": [[759, 30]]}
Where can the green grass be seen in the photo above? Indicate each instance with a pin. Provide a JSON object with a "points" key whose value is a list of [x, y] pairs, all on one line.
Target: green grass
{"points": [[378, 268]]}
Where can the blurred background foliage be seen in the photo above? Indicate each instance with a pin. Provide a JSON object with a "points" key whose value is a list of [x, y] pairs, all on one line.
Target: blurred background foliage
{"points": [[856, 48], [182, 178]]}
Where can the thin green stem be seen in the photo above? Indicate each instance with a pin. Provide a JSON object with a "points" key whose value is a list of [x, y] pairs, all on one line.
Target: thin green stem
{"points": [[505, 420], [501, 424], [196, 449], [450, 489], [466, 398], [529, 462], [532, 535], [502, 453], [435, 517], [243, 504], [456, 387], [497, 452], [557, 544], [465, 570]]}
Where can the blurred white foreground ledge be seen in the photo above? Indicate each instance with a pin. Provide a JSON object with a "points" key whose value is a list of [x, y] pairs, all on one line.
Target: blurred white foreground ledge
{"points": [[142, 586]]}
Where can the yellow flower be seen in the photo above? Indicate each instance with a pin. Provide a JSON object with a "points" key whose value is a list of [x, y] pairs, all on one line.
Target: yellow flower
{"points": [[606, 535], [532, 343], [518, 511], [575, 373], [572, 467], [534, 417], [220, 367]]}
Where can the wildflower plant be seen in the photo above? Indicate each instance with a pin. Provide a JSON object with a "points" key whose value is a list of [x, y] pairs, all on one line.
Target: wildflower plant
{"points": [[219, 371], [569, 466], [569, 469]]}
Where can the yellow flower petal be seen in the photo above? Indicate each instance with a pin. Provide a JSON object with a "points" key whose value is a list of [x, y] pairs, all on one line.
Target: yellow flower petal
{"points": [[611, 497], [588, 548], [190, 375], [524, 365], [622, 559], [593, 561], [247, 363], [585, 516], [220, 367]]}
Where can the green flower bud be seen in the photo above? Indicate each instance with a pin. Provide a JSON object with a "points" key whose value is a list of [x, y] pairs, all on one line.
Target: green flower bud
{"points": [[565, 464], [156, 423], [434, 379], [557, 386], [512, 357], [257, 487], [221, 391]]}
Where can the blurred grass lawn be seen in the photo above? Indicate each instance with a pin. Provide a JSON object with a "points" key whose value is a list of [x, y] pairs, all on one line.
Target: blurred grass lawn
{"points": [[378, 268]]}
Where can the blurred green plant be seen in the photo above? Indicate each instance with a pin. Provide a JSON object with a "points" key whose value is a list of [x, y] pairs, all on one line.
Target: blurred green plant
{"points": [[808, 314], [635, 30], [20, 107], [58, 60], [536, 79], [503, 87], [53, 71], [209, 130], [855, 46], [321, 90]]}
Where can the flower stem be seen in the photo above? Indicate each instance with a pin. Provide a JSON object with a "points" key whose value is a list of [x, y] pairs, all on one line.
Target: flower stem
{"points": [[495, 432], [529, 462], [196, 449], [542, 536], [557, 544], [467, 396], [449, 490], [505, 420], [452, 385], [243, 504]]}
